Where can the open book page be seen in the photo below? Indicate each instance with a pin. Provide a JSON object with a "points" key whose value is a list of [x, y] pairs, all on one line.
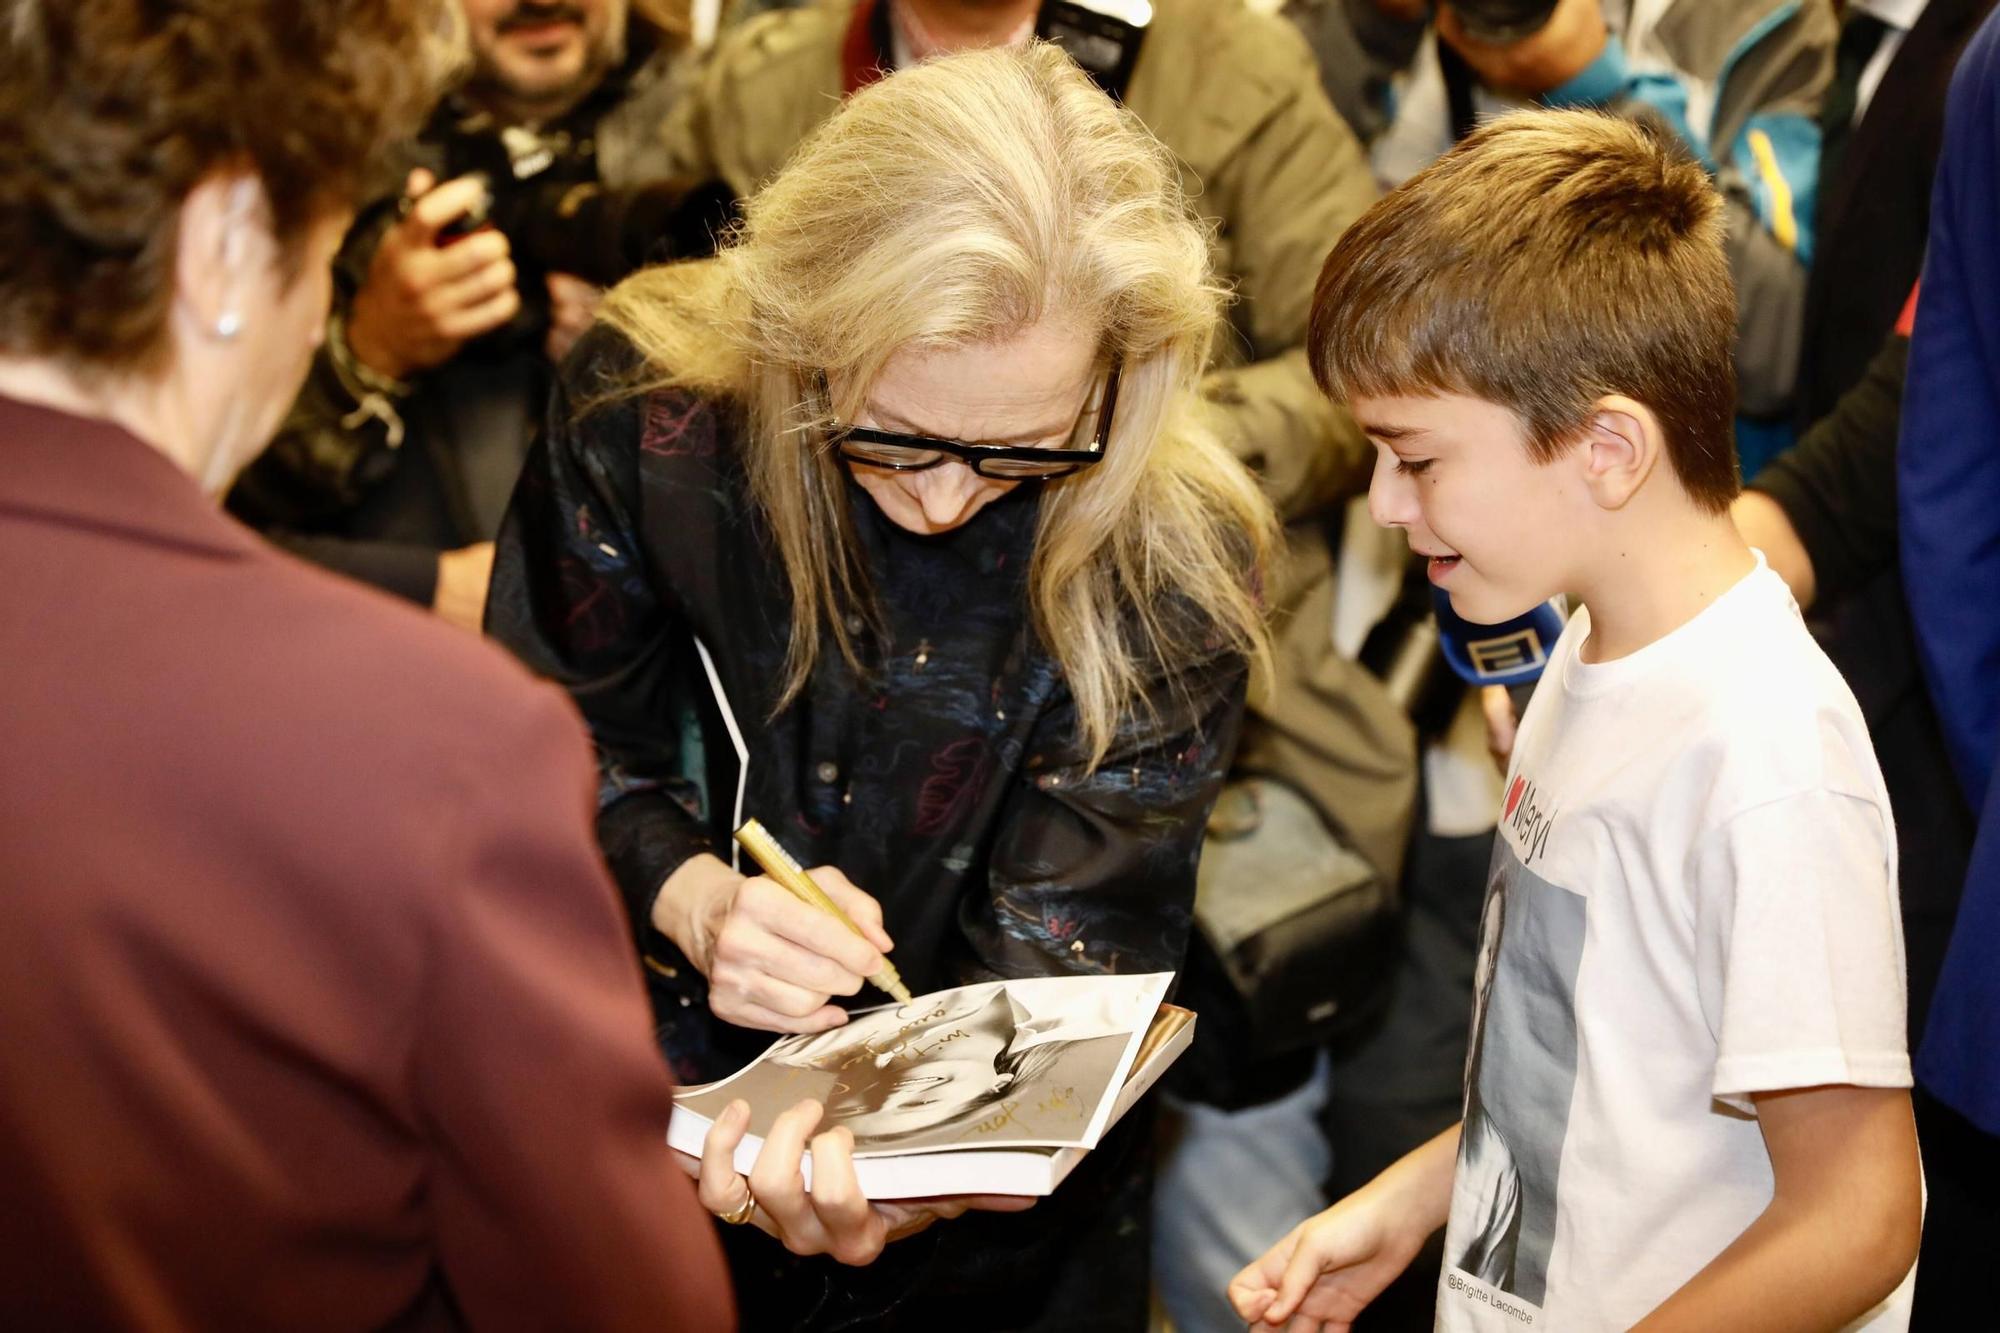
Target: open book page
{"points": [[1032, 1062]]}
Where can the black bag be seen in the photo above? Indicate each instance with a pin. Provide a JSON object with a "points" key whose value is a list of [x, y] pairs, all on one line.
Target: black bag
{"points": [[1302, 925]]}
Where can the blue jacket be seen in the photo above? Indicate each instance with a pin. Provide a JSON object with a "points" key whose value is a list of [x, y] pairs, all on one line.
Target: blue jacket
{"points": [[1948, 467]]}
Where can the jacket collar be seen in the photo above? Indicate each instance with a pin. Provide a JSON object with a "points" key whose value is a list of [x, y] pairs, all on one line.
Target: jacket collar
{"points": [[87, 472]]}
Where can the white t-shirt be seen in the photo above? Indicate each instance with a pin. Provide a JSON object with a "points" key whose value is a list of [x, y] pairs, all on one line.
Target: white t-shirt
{"points": [[1692, 899]]}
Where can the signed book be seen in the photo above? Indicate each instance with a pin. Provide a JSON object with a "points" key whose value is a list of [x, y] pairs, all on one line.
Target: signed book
{"points": [[998, 1088]]}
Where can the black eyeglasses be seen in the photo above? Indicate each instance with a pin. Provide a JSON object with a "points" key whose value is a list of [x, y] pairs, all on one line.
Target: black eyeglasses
{"points": [[1003, 462]]}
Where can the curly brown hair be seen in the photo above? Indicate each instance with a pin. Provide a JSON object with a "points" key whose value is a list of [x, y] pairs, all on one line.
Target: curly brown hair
{"points": [[112, 111]]}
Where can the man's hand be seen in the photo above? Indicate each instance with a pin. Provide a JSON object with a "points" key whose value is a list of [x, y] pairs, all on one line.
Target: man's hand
{"points": [[462, 579], [421, 301], [1565, 46], [772, 962], [1321, 1276], [572, 306]]}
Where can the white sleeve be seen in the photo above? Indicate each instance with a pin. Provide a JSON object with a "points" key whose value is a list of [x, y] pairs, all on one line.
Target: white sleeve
{"points": [[1799, 947]]}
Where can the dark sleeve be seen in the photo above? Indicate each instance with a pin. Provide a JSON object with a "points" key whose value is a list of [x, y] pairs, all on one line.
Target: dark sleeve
{"points": [[1949, 465], [409, 572], [1837, 485], [554, 1198], [1095, 872], [331, 451], [574, 597]]}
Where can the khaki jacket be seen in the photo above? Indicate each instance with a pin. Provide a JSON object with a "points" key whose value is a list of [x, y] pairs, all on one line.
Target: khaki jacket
{"points": [[1268, 164]]}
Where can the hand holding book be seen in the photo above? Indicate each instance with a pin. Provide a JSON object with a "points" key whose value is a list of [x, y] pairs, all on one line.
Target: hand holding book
{"points": [[996, 1087], [833, 1217]]}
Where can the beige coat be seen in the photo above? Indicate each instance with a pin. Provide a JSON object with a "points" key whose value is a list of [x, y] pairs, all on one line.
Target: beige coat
{"points": [[1236, 97]]}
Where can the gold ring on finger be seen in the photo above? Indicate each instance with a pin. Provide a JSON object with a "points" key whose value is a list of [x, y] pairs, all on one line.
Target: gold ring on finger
{"points": [[743, 1212]]}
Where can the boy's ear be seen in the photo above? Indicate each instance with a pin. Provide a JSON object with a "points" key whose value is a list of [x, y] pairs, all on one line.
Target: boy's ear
{"points": [[1623, 443]]}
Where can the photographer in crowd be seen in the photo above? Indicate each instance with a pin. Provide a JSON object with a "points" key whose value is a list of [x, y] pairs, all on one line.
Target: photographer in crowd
{"points": [[1739, 81], [536, 182]]}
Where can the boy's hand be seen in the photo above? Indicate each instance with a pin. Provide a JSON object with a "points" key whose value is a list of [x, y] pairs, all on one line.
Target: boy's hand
{"points": [[1322, 1275]]}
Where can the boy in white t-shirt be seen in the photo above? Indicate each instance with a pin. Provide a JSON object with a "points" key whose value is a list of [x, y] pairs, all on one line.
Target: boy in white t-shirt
{"points": [[1685, 1101]]}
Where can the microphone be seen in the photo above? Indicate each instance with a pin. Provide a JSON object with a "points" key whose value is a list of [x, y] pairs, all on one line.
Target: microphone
{"points": [[1512, 653]]}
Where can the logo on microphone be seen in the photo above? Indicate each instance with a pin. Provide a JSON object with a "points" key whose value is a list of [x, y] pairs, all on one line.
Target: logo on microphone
{"points": [[1519, 651]]}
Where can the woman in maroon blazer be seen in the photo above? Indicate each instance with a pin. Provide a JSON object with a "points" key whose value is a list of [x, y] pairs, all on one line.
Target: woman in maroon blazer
{"points": [[319, 1009]]}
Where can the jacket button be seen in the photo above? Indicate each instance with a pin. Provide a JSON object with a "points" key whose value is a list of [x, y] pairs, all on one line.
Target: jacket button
{"points": [[827, 771]]}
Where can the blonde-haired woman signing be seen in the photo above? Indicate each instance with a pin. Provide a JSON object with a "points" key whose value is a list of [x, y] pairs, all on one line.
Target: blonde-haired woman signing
{"points": [[903, 497]]}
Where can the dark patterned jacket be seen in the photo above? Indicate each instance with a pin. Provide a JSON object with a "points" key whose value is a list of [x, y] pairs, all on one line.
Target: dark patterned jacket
{"points": [[948, 782]]}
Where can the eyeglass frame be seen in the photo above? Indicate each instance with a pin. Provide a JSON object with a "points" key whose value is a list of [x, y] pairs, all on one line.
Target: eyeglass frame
{"points": [[973, 454]]}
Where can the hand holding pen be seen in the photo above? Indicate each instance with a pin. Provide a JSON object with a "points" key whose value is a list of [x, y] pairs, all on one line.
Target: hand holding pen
{"points": [[772, 962]]}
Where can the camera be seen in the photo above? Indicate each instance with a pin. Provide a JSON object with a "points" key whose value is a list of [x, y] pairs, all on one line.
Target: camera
{"points": [[1498, 22], [1102, 36], [543, 194]]}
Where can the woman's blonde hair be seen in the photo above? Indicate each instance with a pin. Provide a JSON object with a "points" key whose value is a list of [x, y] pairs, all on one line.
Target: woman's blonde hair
{"points": [[959, 203]]}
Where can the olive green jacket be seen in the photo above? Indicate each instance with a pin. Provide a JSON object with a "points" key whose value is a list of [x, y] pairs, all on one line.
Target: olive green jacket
{"points": [[1271, 167]]}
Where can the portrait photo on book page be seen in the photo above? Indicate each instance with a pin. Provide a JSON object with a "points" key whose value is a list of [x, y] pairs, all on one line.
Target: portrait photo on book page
{"points": [[1005, 1064]]}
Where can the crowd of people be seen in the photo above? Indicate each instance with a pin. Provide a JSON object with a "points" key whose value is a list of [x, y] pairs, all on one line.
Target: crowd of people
{"points": [[460, 459]]}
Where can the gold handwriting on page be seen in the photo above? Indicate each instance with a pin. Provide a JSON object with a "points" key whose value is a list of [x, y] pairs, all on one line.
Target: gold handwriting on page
{"points": [[892, 1044], [899, 1045], [999, 1120], [1060, 1101]]}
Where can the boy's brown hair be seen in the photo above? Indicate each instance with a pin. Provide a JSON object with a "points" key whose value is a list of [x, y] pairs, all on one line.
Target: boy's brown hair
{"points": [[1552, 258]]}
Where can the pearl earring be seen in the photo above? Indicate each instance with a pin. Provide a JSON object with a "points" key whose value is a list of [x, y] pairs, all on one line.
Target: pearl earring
{"points": [[229, 325]]}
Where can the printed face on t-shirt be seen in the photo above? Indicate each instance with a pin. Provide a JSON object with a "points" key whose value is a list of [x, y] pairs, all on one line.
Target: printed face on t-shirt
{"points": [[1500, 530]]}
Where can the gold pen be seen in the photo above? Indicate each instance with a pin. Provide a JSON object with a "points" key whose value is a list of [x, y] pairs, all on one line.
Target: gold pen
{"points": [[779, 865]]}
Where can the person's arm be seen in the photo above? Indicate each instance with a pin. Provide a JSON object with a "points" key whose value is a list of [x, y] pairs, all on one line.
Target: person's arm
{"points": [[1799, 972], [552, 1195], [573, 598], [1094, 872], [1285, 194], [330, 452], [1824, 511], [1330, 1266], [1767, 526], [1949, 464], [1842, 1226]]}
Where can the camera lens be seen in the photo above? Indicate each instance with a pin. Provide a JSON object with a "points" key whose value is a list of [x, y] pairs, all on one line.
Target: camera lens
{"points": [[1501, 21]]}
